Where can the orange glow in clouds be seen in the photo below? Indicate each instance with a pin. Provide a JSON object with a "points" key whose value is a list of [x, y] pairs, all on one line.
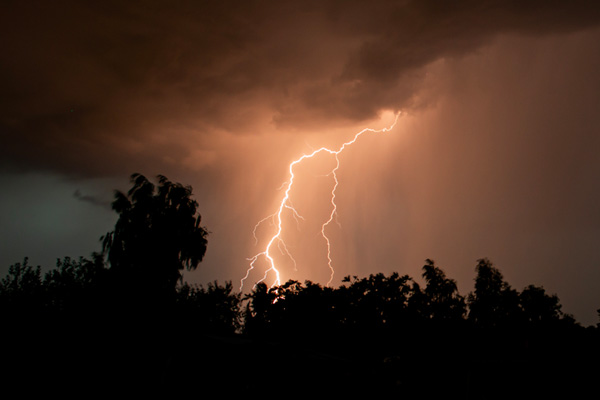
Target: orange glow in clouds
{"points": [[286, 206]]}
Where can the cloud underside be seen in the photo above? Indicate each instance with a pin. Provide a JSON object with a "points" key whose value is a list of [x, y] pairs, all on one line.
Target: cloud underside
{"points": [[88, 88]]}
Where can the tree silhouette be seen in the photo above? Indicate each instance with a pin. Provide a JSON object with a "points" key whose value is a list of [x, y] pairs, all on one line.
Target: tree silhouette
{"points": [[22, 291], [493, 303], [380, 305], [442, 299], [308, 310], [74, 285], [538, 307], [157, 236], [258, 310], [215, 309]]}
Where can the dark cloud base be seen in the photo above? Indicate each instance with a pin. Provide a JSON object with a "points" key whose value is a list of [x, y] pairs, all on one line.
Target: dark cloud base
{"points": [[86, 86]]}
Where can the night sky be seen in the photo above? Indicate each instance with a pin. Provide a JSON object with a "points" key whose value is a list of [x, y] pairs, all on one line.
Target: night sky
{"points": [[496, 152]]}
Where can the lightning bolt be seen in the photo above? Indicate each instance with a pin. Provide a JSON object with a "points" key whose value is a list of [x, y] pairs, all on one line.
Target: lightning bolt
{"points": [[286, 205]]}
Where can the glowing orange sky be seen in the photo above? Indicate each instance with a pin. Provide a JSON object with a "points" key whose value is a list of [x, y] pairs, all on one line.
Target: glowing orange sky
{"points": [[495, 154]]}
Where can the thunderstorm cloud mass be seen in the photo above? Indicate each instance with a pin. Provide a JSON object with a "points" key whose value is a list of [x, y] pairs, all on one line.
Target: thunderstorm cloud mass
{"points": [[496, 152]]}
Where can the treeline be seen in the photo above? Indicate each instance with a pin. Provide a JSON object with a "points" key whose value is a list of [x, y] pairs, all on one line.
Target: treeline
{"points": [[124, 320], [380, 331], [381, 304], [373, 305]]}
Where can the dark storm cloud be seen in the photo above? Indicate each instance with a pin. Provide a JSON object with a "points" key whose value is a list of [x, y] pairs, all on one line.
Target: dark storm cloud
{"points": [[94, 88], [92, 199], [416, 34]]}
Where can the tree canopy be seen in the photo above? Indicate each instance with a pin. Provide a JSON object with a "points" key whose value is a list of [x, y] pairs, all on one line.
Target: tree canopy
{"points": [[157, 236]]}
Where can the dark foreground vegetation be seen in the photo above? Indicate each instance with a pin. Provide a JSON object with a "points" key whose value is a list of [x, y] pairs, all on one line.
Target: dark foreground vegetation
{"points": [[123, 323]]}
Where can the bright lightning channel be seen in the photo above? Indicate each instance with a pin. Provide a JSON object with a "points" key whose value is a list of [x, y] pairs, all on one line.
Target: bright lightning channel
{"points": [[286, 204]]}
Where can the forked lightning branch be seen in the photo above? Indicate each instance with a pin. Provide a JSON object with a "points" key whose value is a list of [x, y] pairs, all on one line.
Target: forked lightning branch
{"points": [[285, 206]]}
